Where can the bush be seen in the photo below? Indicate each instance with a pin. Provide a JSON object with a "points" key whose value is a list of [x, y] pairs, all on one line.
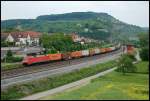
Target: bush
{"points": [[8, 66], [9, 53], [125, 65], [132, 57], [144, 54], [17, 59], [13, 59], [7, 44]]}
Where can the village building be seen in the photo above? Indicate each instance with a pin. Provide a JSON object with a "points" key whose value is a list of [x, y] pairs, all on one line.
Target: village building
{"points": [[22, 38], [75, 37], [82, 40]]}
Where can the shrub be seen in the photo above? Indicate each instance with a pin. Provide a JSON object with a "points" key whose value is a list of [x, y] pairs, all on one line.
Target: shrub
{"points": [[132, 57], [12, 59], [144, 54], [125, 64], [9, 53]]}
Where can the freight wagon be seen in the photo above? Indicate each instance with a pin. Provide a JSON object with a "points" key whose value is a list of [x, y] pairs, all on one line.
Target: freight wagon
{"points": [[108, 49], [85, 52], [130, 49], [97, 51], [112, 48], [53, 57], [76, 54], [91, 52], [66, 56], [102, 50]]}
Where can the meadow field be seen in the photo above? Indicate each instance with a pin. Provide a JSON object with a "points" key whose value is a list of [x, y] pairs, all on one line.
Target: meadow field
{"points": [[114, 86]]}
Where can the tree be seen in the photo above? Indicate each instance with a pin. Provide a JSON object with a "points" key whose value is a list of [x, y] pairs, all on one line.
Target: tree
{"points": [[9, 56], [131, 56], [45, 41], [125, 64], [144, 44], [56, 42], [144, 53], [9, 53], [144, 39]]}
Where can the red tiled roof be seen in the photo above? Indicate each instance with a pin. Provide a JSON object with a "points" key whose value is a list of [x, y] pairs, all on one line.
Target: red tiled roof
{"points": [[34, 34], [25, 34], [17, 35]]}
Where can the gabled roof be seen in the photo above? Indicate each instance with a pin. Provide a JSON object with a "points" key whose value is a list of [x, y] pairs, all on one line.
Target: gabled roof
{"points": [[33, 34], [25, 34], [17, 35]]}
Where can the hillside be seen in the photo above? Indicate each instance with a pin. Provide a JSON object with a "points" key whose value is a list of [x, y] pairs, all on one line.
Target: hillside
{"points": [[88, 24]]}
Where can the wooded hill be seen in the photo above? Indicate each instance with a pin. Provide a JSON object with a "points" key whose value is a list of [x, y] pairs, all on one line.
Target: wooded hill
{"points": [[89, 24]]}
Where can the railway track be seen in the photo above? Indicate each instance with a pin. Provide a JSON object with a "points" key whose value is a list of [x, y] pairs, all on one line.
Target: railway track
{"points": [[49, 66]]}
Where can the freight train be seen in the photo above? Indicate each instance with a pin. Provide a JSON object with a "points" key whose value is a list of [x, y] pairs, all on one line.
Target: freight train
{"points": [[29, 60], [130, 49]]}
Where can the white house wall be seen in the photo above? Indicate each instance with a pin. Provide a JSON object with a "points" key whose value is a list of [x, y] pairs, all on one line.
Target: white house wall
{"points": [[10, 38], [22, 40]]}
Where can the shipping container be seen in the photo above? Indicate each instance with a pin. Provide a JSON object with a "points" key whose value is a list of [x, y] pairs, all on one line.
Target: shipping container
{"points": [[85, 52], [76, 54], [102, 50], [97, 51], [108, 49], [66, 56], [112, 48], [130, 49], [118, 46], [92, 52], [57, 56]]}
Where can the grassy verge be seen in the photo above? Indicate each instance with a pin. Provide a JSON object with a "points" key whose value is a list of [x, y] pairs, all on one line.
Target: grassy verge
{"points": [[8, 66], [113, 86], [142, 67], [21, 90], [12, 59]]}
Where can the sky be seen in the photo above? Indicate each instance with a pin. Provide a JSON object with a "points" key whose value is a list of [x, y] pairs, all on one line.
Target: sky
{"points": [[131, 12]]}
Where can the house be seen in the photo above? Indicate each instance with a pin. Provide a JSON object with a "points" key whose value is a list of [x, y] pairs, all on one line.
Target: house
{"points": [[22, 38], [82, 40], [75, 37]]}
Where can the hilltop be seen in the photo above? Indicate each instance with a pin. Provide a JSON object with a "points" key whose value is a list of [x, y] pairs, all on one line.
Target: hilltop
{"points": [[88, 24]]}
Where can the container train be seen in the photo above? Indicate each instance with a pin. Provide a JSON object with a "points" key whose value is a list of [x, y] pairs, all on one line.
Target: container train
{"points": [[29, 60], [130, 49]]}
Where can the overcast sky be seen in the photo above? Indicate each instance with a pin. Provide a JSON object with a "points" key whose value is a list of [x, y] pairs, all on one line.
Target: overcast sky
{"points": [[131, 12]]}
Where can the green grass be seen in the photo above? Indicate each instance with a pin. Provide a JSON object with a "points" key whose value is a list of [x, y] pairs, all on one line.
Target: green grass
{"points": [[8, 66], [114, 86], [142, 67], [20, 90]]}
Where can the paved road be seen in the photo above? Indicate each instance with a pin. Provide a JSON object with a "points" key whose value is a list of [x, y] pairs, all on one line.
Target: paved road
{"points": [[7, 82], [67, 86]]}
